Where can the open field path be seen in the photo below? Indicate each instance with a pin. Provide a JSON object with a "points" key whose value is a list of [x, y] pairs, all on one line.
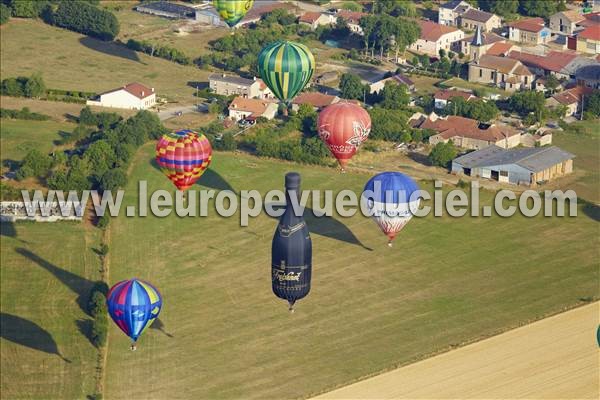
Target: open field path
{"points": [[556, 357]]}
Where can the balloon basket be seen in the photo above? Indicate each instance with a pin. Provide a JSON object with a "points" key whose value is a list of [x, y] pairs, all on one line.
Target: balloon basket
{"points": [[133, 347], [390, 244]]}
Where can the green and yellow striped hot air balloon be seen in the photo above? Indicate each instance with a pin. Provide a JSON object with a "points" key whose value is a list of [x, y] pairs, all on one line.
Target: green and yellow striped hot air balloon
{"points": [[232, 11], [286, 67]]}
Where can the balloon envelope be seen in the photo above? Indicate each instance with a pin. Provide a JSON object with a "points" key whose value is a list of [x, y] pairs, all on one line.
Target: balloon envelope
{"points": [[286, 67], [232, 11], [344, 127], [391, 201], [183, 157], [134, 305]]}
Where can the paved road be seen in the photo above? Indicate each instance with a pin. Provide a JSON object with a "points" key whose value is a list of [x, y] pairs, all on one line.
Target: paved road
{"points": [[171, 111], [555, 358]]}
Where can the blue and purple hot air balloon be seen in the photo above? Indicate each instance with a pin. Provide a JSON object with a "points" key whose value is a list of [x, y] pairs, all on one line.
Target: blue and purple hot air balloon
{"points": [[134, 305], [391, 200]]}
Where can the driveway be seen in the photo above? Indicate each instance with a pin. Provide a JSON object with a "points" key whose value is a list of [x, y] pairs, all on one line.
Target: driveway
{"points": [[171, 111]]}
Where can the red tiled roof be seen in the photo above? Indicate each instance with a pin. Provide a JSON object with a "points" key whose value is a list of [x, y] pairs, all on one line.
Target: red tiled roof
{"points": [[499, 49], [351, 16], [432, 32], [591, 33], [310, 17], [553, 61], [257, 11], [255, 106], [315, 99], [137, 89], [573, 15], [572, 96], [448, 94], [453, 126], [529, 25]]}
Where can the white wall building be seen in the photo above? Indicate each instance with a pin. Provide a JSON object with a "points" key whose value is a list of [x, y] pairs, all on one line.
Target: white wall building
{"points": [[133, 96]]}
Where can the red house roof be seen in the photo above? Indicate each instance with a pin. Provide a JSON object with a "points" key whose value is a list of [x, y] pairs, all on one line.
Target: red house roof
{"points": [[432, 32], [591, 33], [573, 95], [499, 49], [453, 125], [310, 17], [137, 89], [351, 16], [529, 25], [448, 94], [315, 99], [553, 61]]}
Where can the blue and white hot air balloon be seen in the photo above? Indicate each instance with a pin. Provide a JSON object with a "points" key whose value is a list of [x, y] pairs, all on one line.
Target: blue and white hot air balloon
{"points": [[391, 201]]}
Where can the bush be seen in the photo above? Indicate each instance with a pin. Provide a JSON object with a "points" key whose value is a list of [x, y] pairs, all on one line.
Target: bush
{"points": [[97, 304], [23, 113], [22, 86], [103, 221], [166, 52], [99, 330], [80, 16], [442, 154], [4, 13], [35, 163]]}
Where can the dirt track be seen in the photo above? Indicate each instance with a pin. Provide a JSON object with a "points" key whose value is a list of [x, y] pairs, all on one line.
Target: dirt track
{"points": [[554, 358]]}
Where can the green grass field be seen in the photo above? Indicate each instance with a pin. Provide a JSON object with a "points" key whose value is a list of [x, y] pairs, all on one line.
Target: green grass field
{"points": [[77, 62], [586, 147], [224, 334], [46, 269], [19, 137]]}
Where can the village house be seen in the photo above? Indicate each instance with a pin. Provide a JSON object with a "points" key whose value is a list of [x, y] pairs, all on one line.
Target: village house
{"points": [[400, 79], [245, 108], [435, 37], [315, 19], [565, 22], [553, 63], [465, 132], [258, 11], [227, 85], [133, 96], [449, 13], [481, 43], [352, 18], [317, 100], [588, 76], [441, 98], [530, 31], [571, 98], [529, 166], [472, 19], [506, 73], [327, 77], [588, 40]]}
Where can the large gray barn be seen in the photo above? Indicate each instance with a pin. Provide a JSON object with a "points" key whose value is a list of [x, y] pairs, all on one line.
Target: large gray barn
{"points": [[518, 166]]}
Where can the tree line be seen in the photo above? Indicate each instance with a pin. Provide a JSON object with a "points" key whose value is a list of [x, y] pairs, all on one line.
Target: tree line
{"points": [[81, 16], [155, 50]]}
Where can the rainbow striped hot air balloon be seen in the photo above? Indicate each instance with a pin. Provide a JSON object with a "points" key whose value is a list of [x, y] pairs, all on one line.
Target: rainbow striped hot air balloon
{"points": [[183, 157], [391, 201], [232, 11], [286, 67], [134, 305]]}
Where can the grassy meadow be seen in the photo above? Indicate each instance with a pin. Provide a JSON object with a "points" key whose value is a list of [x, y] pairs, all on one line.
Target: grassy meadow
{"points": [[586, 146], [77, 62], [223, 334], [47, 271], [19, 137]]}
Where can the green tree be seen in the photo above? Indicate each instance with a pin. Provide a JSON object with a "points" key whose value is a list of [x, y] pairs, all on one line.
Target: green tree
{"points": [[592, 104], [35, 163], [101, 157], [4, 13], [541, 8], [387, 124], [552, 83], [12, 87], [35, 87], [442, 154], [80, 16], [406, 137], [113, 179], [87, 117], [503, 8], [27, 8], [417, 136], [527, 102], [351, 87], [394, 96]]}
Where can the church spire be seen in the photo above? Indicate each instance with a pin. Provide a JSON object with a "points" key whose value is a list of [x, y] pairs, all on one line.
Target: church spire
{"points": [[478, 37]]}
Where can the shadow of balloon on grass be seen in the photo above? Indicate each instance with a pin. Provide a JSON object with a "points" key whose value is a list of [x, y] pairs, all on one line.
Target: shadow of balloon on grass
{"points": [[29, 334], [209, 180], [158, 325]]}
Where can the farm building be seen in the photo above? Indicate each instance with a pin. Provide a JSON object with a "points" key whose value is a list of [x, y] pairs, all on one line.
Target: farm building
{"points": [[133, 96], [399, 79], [227, 85], [317, 100], [442, 97], [589, 76], [517, 166], [465, 132], [167, 10], [571, 99]]}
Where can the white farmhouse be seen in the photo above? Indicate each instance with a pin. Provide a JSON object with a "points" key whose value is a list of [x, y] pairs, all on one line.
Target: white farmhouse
{"points": [[133, 96]]}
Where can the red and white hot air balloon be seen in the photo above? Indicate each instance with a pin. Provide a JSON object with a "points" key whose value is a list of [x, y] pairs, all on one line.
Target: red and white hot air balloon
{"points": [[344, 127]]}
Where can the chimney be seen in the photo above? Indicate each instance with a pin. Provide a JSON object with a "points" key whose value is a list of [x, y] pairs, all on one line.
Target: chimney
{"points": [[254, 78], [142, 93], [152, 90]]}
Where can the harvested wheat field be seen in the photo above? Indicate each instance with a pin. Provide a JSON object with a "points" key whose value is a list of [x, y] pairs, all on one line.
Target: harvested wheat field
{"points": [[555, 358]]}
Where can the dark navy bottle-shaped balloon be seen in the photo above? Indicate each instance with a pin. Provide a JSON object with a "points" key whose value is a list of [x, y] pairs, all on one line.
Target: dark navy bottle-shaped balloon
{"points": [[291, 252]]}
